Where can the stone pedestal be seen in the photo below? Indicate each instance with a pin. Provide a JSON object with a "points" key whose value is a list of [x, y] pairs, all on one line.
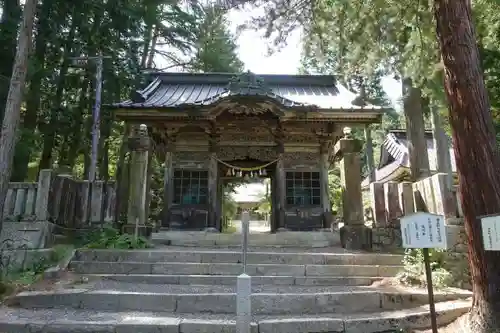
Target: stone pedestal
{"points": [[142, 230], [354, 234], [356, 237], [139, 146]]}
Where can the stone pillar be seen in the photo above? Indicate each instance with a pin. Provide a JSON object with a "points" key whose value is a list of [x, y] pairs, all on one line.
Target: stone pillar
{"points": [[415, 129], [326, 204], [42, 195], [213, 180], [377, 199], [369, 154], [354, 234], [444, 182], [139, 143]]}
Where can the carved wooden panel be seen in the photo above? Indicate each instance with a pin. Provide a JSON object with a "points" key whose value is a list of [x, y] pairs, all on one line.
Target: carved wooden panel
{"points": [[301, 138], [186, 156], [268, 153], [247, 136], [192, 136], [307, 158]]}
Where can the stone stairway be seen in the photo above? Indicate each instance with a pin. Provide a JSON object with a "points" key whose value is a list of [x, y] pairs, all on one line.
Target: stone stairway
{"points": [[192, 290]]}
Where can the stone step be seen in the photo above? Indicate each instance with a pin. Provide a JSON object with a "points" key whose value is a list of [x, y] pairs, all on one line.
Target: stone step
{"points": [[96, 267], [82, 321], [227, 256], [202, 300], [301, 239], [231, 279]]}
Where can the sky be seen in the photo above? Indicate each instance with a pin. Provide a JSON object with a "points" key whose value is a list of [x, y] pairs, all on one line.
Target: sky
{"points": [[253, 51]]}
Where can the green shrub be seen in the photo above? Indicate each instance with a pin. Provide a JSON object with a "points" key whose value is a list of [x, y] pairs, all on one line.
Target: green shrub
{"points": [[414, 269], [109, 237]]}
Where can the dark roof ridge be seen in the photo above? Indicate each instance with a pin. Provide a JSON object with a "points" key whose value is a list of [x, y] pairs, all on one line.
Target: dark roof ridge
{"points": [[224, 78]]}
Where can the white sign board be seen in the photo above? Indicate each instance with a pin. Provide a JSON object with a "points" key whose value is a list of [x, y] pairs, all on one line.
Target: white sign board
{"points": [[423, 230], [491, 232]]}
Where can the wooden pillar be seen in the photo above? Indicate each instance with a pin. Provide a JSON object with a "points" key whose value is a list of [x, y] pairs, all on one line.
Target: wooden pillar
{"points": [[279, 181], [415, 128], [274, 219], [139, 144], [168, 188], [280, 197], [220, 198], [213, 180], [369, 154], [326, 204]]}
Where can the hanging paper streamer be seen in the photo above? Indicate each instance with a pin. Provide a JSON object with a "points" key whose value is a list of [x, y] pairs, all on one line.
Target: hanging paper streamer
{"points": [[253, 172]]}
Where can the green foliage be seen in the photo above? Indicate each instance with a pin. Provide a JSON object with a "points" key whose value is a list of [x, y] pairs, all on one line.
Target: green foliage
{"points": [[265, 204], [216, 50], [15, 277], [110, 238], [335, 189], [229, 228], [135, 35], [414, 268]]}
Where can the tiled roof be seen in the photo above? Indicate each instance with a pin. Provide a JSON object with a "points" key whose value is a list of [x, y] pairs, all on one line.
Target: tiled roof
{"points": [[177, 90], [395, 159]]}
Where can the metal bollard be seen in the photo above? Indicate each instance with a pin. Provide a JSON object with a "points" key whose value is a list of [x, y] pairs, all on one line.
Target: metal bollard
{"points": [[244, 284]]}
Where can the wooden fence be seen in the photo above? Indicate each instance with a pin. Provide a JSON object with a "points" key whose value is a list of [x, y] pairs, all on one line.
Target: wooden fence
{"points": [[389, 201], [61, 200]]}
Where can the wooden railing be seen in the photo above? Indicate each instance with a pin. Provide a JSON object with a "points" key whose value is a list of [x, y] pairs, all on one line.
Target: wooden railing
{"points": [[60, 199], [20, 202], [391, 200]]}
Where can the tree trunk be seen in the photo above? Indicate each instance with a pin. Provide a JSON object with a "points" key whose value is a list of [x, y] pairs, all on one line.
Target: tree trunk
{"points": [[14, 98], [49, 135], [152, 49], [148, 35], [26, 144], [75, 143], [477, 161], [11, 16]]}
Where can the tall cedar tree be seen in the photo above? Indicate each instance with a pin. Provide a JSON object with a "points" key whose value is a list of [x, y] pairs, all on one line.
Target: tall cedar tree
{"points": [[475, 150], [14, 98]]}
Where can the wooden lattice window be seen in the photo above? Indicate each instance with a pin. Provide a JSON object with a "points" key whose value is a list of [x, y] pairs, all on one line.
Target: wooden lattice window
{"points": [[303, 188], [190, 187]]}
